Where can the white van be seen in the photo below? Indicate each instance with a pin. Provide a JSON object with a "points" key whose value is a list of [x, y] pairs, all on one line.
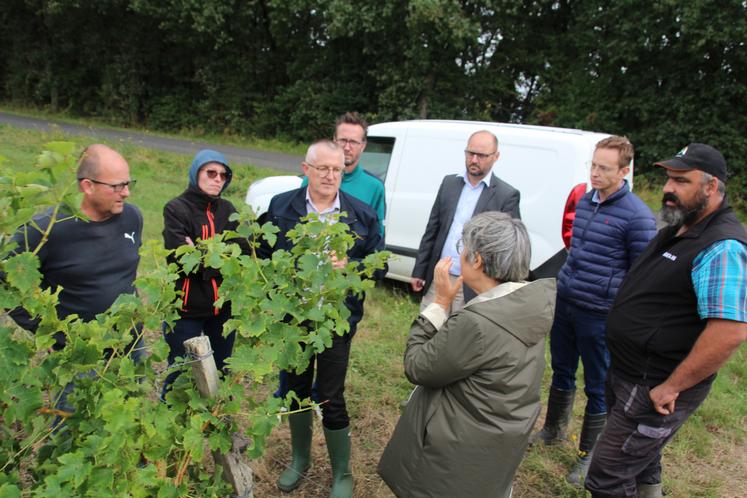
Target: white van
{"points": [[549, 166]]}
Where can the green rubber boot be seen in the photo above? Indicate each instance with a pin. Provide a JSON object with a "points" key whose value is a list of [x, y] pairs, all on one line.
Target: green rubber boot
{"points": [[300, 426], [338, 446]]}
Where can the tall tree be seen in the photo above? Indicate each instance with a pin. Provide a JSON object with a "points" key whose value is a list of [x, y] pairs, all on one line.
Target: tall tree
{"points": [[664, 73]]}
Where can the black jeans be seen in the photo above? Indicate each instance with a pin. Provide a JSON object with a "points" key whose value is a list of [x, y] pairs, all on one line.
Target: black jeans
{"points": [[628, 452], [187, 328], [331, 369]]}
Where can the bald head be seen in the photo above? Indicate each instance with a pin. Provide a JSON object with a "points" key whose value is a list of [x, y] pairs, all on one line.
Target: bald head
{"points": [[486, 135], [480, 155], [104, 179], [92, 158]]}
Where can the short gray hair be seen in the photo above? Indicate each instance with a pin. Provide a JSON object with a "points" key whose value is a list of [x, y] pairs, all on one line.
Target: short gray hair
{"points": [[502, 243], [707, 178], [325, 142]]}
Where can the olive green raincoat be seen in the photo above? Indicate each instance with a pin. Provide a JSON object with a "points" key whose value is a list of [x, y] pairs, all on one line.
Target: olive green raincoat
{"points": [[467, 424]]}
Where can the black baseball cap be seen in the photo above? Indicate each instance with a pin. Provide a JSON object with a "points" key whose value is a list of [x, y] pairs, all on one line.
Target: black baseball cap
{"points": [[698, 156]]}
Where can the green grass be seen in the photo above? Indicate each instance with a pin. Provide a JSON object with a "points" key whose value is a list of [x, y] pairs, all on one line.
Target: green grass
{"points": [[160, 175], [708, 458]]}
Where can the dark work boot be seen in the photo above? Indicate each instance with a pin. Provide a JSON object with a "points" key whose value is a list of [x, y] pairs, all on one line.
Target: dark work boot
{"points": [[649, 491], [592, 428], [559, 409], [300, 427], [338, 446]]}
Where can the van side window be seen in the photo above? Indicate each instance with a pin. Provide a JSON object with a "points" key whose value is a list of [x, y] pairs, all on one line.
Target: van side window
{"points": [[375, 158]]}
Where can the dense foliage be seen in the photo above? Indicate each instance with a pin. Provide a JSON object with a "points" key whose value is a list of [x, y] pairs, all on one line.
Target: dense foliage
{"points": [[664, 73], [118, 438]]}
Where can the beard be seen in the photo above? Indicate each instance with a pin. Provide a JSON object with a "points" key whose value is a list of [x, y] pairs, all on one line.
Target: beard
{"points": [[682, 214], [476, 171]]}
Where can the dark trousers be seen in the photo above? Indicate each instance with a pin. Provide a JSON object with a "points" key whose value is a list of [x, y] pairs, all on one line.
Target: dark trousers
{"points": [[282, 390], [187, 328], [577, 333], [629, 451], [331, 369]]}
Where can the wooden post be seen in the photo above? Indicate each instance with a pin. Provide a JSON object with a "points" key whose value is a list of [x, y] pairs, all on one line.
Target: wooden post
{"points": [[235, 469], [203, 366]]}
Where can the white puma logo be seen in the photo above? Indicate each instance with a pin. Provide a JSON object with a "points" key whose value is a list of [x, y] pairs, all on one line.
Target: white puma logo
{"points": [[130, 236]]}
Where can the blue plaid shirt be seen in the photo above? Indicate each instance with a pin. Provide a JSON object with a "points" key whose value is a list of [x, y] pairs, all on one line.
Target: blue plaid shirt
{"points": [[719, 278]]}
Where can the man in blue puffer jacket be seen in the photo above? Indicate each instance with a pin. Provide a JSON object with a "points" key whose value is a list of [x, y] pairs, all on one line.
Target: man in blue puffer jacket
{"points": [[611, 229]]}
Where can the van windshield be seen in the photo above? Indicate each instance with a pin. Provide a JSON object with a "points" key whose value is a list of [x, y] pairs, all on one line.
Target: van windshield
{"points": [[375, 158]]}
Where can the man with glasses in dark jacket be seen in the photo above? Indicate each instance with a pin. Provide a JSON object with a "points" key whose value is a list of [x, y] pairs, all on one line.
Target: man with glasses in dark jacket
{"points": [[323, 166], [611, 228]]}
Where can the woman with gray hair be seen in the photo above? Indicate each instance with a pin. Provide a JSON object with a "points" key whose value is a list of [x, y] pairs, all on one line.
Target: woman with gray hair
{"points": [[478, 371]]}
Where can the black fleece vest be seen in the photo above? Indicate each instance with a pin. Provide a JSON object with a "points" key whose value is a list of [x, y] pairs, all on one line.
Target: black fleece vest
{"points": [[654, 322]]}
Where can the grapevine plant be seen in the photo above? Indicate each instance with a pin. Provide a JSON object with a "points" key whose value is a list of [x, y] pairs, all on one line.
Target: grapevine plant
{"points": [[118, 438]]}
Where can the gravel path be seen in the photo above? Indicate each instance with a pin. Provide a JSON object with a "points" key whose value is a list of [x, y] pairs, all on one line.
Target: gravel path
{"points": [[283, 162]]}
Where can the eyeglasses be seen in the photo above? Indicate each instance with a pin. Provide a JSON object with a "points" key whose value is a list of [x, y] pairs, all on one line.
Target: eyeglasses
{"points": [[479, 155], [117, 187], [459, 246], [324, 170], [211, 173], [342, 142]]}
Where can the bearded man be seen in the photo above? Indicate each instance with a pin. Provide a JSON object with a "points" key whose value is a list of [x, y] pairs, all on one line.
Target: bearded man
{"points": [[679, 315]]}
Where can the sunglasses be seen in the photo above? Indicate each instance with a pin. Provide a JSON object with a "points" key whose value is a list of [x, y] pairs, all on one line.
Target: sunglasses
{"points": [[211, 173]]}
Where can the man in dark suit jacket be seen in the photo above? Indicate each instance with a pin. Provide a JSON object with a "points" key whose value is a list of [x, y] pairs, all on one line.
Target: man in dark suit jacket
{"points": [[459, 198]]}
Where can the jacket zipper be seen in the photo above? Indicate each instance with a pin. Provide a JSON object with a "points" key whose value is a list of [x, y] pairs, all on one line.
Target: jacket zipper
{"points": [[185, 290], [211, 220], [209, 235], [215, 295]]}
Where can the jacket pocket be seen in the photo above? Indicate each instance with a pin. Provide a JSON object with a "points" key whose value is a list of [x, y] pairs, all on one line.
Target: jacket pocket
{"points": [[645, 440], [611, 279], [653, 429]]}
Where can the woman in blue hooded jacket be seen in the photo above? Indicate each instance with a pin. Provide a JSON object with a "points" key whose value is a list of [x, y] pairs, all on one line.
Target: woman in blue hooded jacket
{"points": [[199, 213]]}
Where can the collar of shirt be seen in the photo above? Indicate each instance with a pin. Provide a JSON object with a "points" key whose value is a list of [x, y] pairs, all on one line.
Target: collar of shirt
{"points": [[311, 208], [485, 180], [463, 211], [595, 195]]}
